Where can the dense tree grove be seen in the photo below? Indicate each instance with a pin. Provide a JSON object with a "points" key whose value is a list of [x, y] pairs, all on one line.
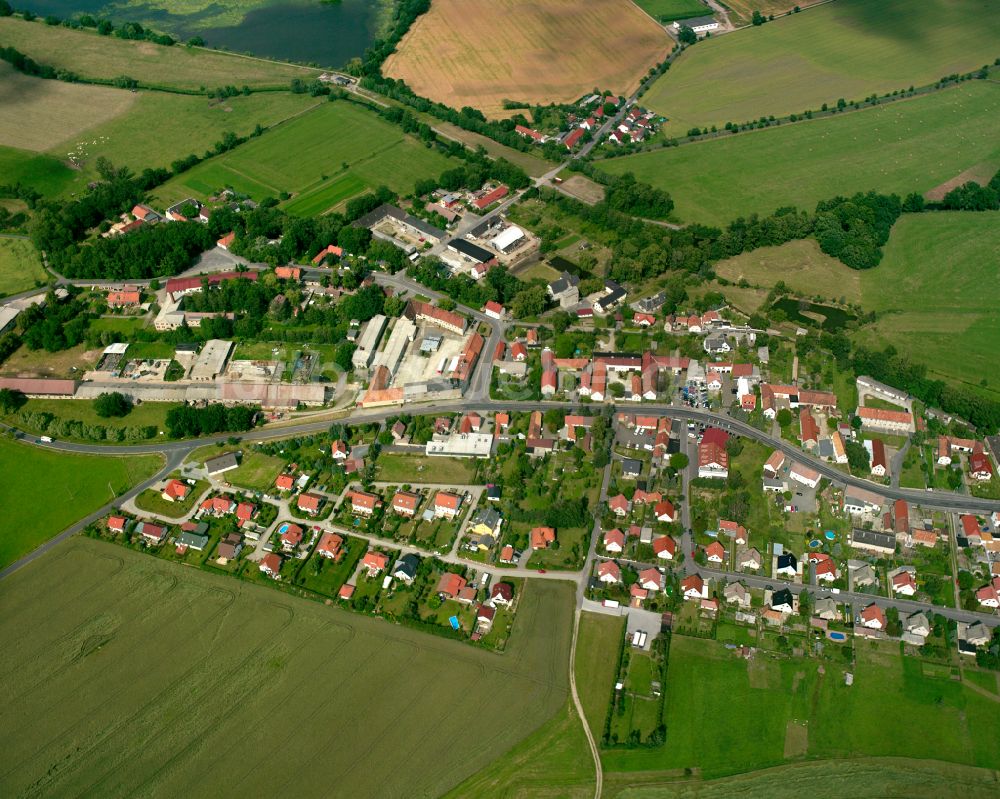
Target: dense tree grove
{"points": [[974, 197], [55, 325], [624, 193], [112, 403], [187, 421], [499, 284], [855, 229]]}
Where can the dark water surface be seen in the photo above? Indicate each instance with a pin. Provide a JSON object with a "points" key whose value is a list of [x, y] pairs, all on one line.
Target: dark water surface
{"points": [[297, 30]]}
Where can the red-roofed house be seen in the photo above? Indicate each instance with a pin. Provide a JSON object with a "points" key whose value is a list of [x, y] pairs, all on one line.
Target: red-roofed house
{"points": [[715, 552], [664, 547], [288, 273], [826, 569], [330, 250], [643, 319], [175, 490], [117, 523], [507, 555], [375, 562], [405, 503], [713, 459], [619, 505], [609, 573], [346, 591], [330, 546], [904, 583], [285, 482], [665, 511], [901, 516], [573, 138], [614, 541], [693, 587], [651, 579], [873, 617], [450, 585], [310, 503], [980, 467], [988, 596], [245, 511], [124, 299], [446, 505], [227, 241], [734, 530], [494, 310], [491, 197], [339, 450], [270, 565], [291, 537], [363, 503], [880, 461], [518, 351], [541, 537], [501, 594]]}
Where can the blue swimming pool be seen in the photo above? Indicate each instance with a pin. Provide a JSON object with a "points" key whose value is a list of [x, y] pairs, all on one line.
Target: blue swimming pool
{"points": [[835, 635], [453, 621], [829, 535], [283, 528], [814, 543]]}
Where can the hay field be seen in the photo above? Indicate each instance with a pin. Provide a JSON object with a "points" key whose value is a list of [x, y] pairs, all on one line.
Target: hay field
{"points": [[910, 145], [107, 57], [846, 49], [943, 270], [39, 114], [801, 265], [480, 52], [128, 676]]}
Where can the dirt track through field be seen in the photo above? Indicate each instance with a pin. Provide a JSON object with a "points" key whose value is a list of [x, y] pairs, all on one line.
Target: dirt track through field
{"points": [[480, 52]]}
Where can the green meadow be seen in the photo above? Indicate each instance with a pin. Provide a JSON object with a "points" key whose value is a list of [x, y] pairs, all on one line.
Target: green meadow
{"points": [[44, 492], [321, 158], [848, 49], [911, 145]]}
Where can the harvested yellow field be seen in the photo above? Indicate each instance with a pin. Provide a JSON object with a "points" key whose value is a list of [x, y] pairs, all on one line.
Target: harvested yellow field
{"points": [[480, 52], [39, 114]]}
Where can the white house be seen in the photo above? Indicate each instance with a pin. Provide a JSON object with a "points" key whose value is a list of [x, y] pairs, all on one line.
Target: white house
{"points": [[700, 25], [804, 475]]}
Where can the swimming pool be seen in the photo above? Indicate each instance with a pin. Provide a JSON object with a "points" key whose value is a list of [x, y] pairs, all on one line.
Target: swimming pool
{"points": [[814, 543], [835, 635], [829, 535], [283, 528]]}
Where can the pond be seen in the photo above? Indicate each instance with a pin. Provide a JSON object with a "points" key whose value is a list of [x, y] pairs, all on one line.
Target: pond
{"points": [[804, 312], [309, 31]]}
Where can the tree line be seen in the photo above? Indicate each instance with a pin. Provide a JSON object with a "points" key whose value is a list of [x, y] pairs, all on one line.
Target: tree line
{"points": [[186, 421]]}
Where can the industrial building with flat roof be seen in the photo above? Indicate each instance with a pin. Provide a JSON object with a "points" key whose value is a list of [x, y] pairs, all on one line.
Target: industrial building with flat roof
{"points": [[461, 445], [211, 360], [368, 343]]}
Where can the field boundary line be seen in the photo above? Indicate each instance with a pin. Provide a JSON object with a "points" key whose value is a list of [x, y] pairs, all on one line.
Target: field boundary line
{"points": [[598, 770]]}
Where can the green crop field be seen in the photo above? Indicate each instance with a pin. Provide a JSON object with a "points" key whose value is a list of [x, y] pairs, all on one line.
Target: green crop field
{"points": [[20, 267], [857, 778], [667, 10], [43, 492], [107, 57], [257, 471], [322, 158], [725, 715], [160, 675], [929, 292], [848, 49], [596, 659], [912, 145]]}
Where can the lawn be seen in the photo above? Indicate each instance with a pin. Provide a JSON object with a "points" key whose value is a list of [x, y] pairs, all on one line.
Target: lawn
{"points": [[106, 57], [45, 174], [184, 126], [256, 471], [405, 469], [597, 650], [222, 656], [468, 52], [44, 492], [848, 49], [322, 158], [152, 501], [726, 716], [20, 267], [912, 145], [936, 315]]}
